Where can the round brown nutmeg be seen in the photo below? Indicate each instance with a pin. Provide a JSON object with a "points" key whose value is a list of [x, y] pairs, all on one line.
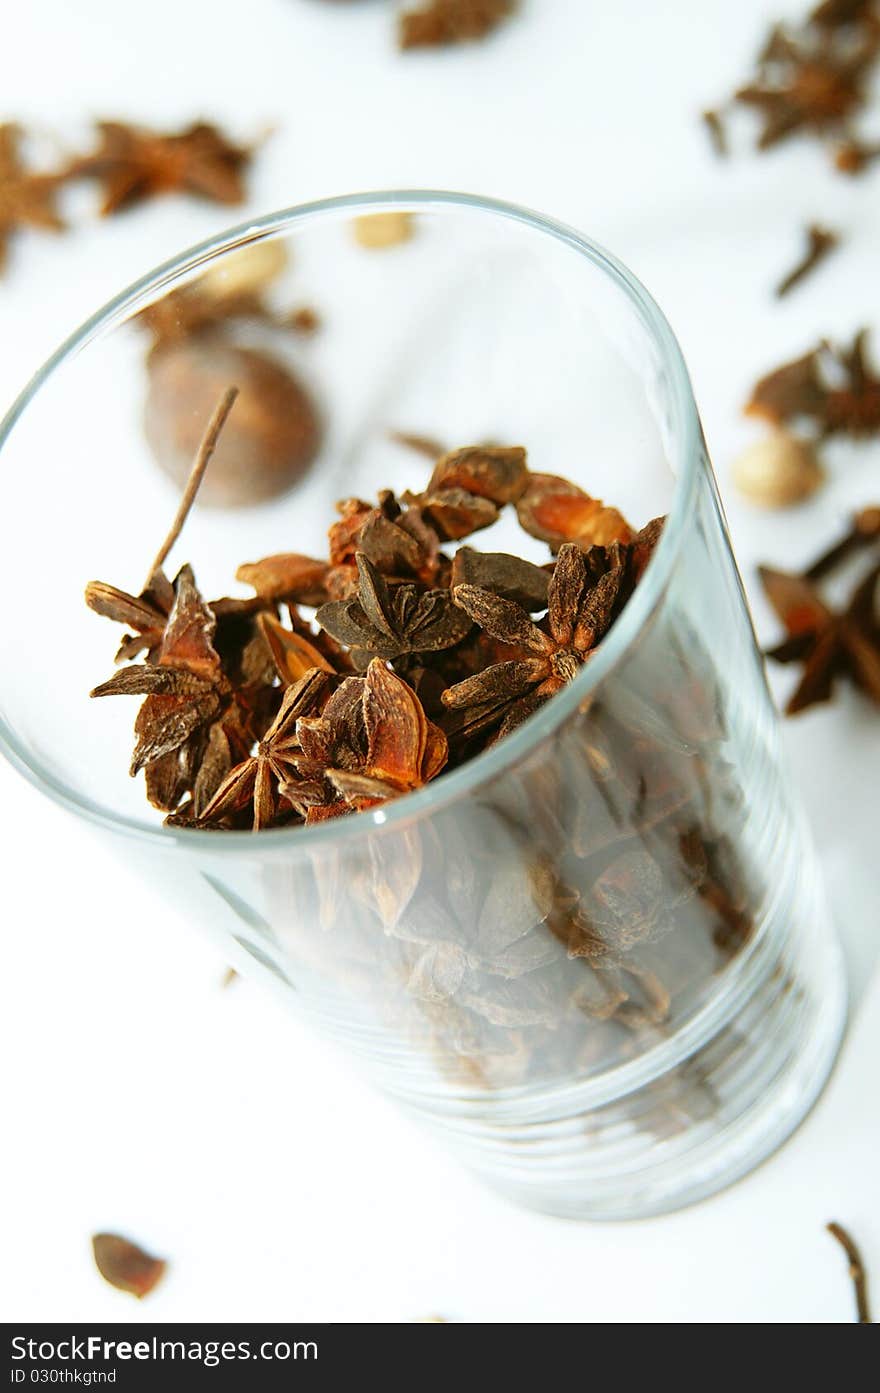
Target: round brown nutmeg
{"points": [[779, 470], [271, 437]]}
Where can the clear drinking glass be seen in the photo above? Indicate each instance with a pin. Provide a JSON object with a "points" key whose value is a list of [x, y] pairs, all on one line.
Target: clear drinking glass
{"points": [[596, 959]]}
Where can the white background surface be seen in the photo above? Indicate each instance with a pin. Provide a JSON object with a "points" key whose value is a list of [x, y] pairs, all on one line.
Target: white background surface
{"points": [[140, 1096]]}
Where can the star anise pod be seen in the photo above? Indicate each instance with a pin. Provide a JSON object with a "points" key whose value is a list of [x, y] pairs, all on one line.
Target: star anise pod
{"points": [[453, 513], [25, 198], [287, 576], [184, 687], [392, 622], [835, 388], [829, 644], [188, 696], [396, 540], [133, 164], [810, 81], [296, 650], [469, 487], [372, 742], [556, 511], [496, 472], [254, 785], [146, 613], [508, 576], [442, 22], [580, 610]]}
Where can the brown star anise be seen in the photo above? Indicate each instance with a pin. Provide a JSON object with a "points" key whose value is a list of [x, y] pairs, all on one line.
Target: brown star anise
{"points": [[469, 487], [451, 22], [146, 613], [25, 198], [392, 622], [829, 644], [581, 606], [133, 164], [256, 782], [185, 687], [398, 541], [835, 388], [372, 742], [809, 80]]}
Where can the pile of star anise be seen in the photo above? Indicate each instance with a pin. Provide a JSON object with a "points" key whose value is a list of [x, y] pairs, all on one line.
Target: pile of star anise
{"points": [[348, 681]]}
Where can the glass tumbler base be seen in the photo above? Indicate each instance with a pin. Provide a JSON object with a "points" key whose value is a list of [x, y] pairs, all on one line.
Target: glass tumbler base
{"points": [[718, 1100]]}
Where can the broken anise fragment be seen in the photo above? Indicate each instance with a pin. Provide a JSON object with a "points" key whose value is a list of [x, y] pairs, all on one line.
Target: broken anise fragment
{"points": [[287, 576], [496, 472], [439, 22], [557, 511], [126, 1266]]}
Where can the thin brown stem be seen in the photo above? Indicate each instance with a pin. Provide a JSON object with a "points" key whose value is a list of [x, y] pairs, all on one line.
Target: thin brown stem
{"points": [[820, 241], [206, 449], [856, 1271], [716, 132]]}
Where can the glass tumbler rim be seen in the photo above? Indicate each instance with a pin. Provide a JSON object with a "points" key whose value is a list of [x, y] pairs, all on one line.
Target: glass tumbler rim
{"points": [[687, 461]]}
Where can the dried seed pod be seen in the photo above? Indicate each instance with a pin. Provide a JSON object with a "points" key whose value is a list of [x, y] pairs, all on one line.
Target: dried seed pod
{"points": [[779, 470], [495, 472], [508, 576], [287, 576], [456, 513], [271, 439], [556, 511], [126, 1266], [376, 231]]}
